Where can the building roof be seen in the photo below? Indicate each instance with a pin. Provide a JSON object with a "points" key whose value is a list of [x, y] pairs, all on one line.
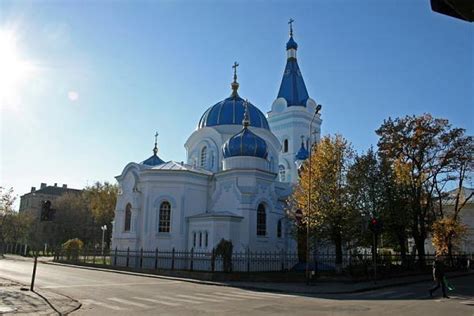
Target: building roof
{"points": [[54, 190], [153, 161], [292, 87], [245, 143], [466, 193], [231, 111], [173, 165], [302, 154]]}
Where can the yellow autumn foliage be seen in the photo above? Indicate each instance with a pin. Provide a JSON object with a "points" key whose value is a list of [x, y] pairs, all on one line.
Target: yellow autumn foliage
{"points": [[446, 232]]}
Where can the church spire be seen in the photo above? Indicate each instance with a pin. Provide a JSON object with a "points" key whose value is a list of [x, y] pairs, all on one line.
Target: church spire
{"points": [[293, 88], [235, 84], [246, 120], [291, 45], [155, 149]]}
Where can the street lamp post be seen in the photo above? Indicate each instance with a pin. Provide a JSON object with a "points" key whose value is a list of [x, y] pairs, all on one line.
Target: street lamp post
{"points": [[104, 228], [310, 146]]}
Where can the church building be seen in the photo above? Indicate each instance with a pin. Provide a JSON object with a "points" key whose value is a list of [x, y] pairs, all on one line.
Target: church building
{"points": [[241, 167]]}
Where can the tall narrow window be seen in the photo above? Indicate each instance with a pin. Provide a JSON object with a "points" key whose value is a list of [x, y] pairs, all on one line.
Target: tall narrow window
{"points": [[282, 173], [194, 239], [203, 157], [279, 229], [285, 146], [261, 220], [128, 217], [206, 241], [200, 239], [165, 217]]}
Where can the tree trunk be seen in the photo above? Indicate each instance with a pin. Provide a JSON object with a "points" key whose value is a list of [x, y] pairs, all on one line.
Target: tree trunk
{"points": [[301, 232], [338, 244], [403, 249]]}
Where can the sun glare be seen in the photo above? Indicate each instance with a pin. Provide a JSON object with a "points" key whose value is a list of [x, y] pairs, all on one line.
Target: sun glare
{"points": [[13, 69]]}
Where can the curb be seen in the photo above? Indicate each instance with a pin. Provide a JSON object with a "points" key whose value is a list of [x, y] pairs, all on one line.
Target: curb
{"points": [[253, 287]]}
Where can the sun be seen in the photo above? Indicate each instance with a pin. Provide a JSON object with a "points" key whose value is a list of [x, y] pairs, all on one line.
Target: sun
{"points": [[14, 70]]}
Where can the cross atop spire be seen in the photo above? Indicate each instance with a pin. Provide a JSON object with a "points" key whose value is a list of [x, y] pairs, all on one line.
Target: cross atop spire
{"points": [[290, 22], [155, 150], [246, 120], [235, 84]]}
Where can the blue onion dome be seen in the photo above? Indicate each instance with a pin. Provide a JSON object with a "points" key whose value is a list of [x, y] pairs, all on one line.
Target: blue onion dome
{"points": [[245, 143], [230, 111], [291, 44], [302, 154], [153, 160]]}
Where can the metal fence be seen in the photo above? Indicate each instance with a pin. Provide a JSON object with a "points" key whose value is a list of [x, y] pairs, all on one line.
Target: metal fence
{"points": [[248, 261]]}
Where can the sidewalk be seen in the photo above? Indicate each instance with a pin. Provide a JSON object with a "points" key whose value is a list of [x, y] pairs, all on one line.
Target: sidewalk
{"points": [[329, 287], [16, 298]]}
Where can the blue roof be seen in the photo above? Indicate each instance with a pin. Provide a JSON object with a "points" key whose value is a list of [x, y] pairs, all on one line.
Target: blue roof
{"points": [[302, 154], [231, 111], [292, 87], [153, 161], [291, 43], [245, 143]]}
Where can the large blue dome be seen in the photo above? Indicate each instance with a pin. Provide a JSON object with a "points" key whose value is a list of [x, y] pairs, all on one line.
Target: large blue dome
{"points": [[245, 143], [231, 111]]}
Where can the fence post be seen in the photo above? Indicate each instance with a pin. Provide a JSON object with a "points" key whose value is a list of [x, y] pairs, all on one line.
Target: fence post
{"points": [[213, 260], [191, 266], [248, 259], [156, 258], [115, 256], [282, 255], [128, 256], [141, 258], [172, 259]]}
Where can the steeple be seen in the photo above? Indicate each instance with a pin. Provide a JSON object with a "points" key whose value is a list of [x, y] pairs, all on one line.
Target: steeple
{"points": [[154, 160], [235, 84], [292, 87], [155, 149], [246, 120]]}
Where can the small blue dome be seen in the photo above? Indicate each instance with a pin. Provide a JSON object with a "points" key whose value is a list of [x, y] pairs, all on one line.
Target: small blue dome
{"points": [[245, 143], [291, 44], [153, 161], [231, 111], [302, 154]]}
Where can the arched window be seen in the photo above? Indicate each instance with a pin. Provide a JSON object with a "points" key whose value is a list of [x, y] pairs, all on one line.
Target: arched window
{"points": [[279, 229], [165, 217], [203, 157], [282, 173], [261, 220], [128, 217], [212, 160], [285, 146]]}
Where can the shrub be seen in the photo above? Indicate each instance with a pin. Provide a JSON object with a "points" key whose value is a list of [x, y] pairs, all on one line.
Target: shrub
{"points": [[72, 247], [224, 249]]}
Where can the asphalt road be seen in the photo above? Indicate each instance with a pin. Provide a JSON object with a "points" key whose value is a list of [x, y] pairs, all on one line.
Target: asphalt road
{"points": [[109, 293]]}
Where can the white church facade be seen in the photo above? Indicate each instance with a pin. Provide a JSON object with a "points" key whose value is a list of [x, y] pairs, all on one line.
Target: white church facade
{"points": [[241, 167]]}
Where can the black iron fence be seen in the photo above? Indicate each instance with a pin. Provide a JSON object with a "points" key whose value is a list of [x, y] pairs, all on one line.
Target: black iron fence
{"points": [[360, 264]]}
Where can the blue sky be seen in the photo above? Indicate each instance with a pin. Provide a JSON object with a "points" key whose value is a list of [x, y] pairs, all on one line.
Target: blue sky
{"points": [[107, 74]]}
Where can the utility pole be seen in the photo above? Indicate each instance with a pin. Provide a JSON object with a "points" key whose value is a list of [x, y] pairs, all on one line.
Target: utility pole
{"points": [[310, 145]]}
